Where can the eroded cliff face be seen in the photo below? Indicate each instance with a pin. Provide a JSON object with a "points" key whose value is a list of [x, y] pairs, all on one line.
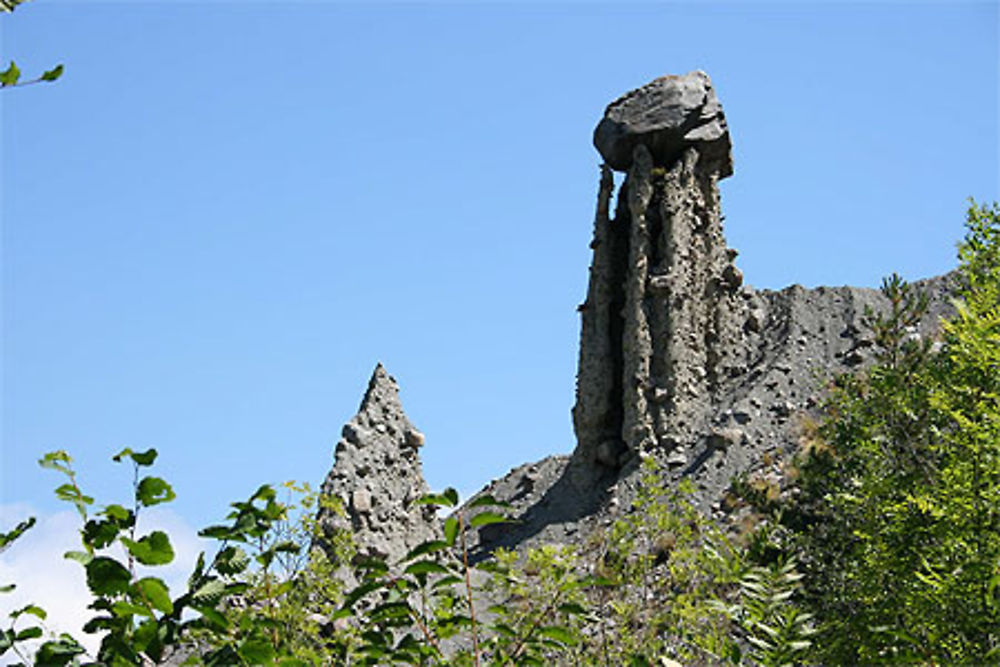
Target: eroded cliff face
{"points": [[679, 360]]}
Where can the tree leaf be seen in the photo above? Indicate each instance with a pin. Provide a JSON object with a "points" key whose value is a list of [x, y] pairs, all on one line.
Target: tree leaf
{"points": [[123, 609], [7, 538], [155, 593], [153, 491], [57, 460], [213, 616], [106, 576], [426, 567], [33, 632], [424, 548], [153, 549], [486, 518], [52, 74], [147, 457], [450, 530], [10, 75], [559, 634], [487, 500], [34, 610], [256, 651], [209, 592], [447, 499], [232, 560]]}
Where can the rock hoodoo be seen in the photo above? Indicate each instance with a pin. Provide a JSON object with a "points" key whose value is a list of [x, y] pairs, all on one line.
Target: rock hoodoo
{"points": [[659, 328], [679, 360], [377, 475]]}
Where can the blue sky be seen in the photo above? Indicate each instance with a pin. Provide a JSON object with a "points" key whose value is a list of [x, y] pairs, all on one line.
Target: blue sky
{"points": [[225, 213]]}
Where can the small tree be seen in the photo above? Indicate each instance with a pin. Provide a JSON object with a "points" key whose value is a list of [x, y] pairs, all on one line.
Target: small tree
{"points": [[896, 515]]}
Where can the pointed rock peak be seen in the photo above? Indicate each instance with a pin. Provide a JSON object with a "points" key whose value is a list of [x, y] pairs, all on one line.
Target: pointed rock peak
{"points": [[382, 390], [378, 476]]}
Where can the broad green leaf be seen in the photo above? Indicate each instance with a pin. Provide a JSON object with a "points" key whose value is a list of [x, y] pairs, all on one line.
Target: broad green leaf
{"points": [[213, 616], [153, 549], [99, 533], [450, 530], [426, 548], [31, 609], [33, 632], [123, 609], [106, 576], [153, 491], [70, 493], [487, 501], [52, 74], [559, 634], [217, 532], [449, 498], [209, 592], [7, 588], [390, 610], [232, 560], [154, 592], [199, 568], [57, 460], [446, 581], [265, 492], [361, 591], [81, 557], [486, 518], [572, 609], [256, 651], [118, 513], [505, 629], [147, 457], [426, 567], [10, 75], [372, 566], [58, 651]]}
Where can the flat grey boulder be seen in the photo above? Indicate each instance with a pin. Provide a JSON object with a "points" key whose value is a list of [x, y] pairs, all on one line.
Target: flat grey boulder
{"points": [[667, 115]]}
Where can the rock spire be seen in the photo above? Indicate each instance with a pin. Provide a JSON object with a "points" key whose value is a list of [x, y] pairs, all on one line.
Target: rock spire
{"points": [[658, 322], [377, 475]]}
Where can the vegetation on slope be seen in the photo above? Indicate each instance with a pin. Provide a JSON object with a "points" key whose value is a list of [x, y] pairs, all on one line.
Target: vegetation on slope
{"points": [[884, 547]]}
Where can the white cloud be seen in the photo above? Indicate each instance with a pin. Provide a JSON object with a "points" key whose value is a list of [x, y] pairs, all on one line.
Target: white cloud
{"points": [[43, 577]]}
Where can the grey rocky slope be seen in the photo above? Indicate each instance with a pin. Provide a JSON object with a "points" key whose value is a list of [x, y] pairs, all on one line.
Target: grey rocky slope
{"points": [[679, 360]]}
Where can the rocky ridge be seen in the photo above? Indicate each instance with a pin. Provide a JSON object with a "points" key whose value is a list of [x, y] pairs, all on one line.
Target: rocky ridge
{"points": [[679, 359]]}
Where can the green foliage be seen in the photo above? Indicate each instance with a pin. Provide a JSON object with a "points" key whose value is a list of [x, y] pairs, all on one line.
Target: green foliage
{"points": [[887, 550], [11, 76], [897, 512], [678, 586]]}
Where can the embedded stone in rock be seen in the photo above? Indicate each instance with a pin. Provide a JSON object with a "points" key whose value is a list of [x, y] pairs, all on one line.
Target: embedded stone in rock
{"points": [[667, 115], [377, 476]]}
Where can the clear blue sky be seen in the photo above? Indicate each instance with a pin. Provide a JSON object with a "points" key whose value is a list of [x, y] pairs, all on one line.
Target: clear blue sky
{"points": [[225, 213]]}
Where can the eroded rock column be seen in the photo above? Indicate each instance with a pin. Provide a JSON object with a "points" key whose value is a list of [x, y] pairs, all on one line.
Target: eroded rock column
{"points": [[659, 334]]}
